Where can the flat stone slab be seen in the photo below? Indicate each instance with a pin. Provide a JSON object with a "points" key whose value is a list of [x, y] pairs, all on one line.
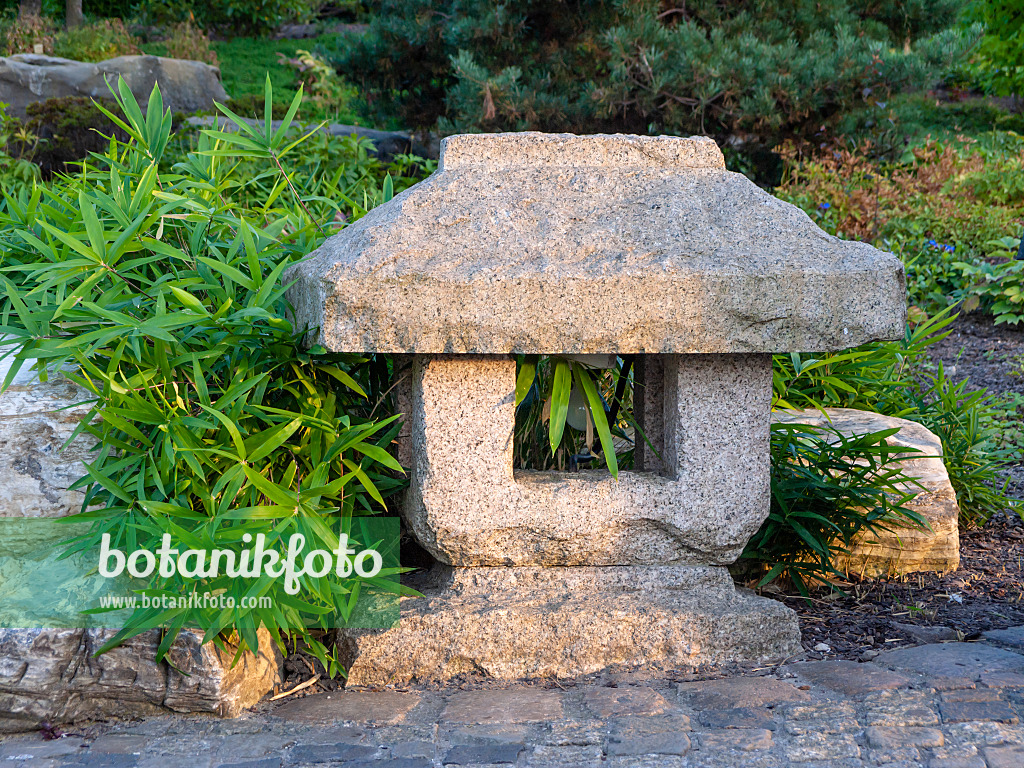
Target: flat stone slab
{"points": [[970, 660], [525, 705], [907, 549], [1012, 638], [359, 706], [623, 702], [740, 692], [850, 677], [495, 251], [512, 623]]}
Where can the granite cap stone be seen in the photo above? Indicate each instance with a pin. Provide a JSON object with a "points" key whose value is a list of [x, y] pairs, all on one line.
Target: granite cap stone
{"points": [[563, 244]]}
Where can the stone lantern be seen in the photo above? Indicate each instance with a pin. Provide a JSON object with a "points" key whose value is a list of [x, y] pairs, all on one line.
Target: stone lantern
{"points": [[560, 244]]}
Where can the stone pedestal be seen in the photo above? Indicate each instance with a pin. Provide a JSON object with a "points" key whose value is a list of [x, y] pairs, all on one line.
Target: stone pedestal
{"points": [[529, 622]]}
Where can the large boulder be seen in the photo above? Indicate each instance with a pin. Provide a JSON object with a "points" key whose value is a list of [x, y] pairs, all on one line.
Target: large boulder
{"points": [[49, 673], [186, 86], [904, 550]]}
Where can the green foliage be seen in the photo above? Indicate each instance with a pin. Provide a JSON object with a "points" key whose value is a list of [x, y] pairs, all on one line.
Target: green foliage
{"points": [[17, 171], [998, 63], [563, 403], [892, 378], [758, 69], [999, 282], [228, 17], [96, 41], [827, 489], [159, 291]]}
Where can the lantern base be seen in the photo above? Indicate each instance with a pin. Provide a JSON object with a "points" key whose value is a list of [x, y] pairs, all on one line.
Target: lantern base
{"points": [[511, 623]]}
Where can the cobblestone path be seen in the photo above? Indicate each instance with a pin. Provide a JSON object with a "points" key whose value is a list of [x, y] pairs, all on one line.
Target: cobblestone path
{"points": [[952, 705]]}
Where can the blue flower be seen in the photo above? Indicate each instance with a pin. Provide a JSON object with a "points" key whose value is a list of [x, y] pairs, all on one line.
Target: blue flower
{"points": [[949, 248], [932, 243], [824, 206]]}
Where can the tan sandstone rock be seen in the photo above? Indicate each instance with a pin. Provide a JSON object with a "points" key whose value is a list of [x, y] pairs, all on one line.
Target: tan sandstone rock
{"points": [[905, 550]]}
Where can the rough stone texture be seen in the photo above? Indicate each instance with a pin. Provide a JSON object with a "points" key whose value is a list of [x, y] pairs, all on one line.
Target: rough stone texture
{"points": [[500, 249], [51, 675], [623, 702], [36, 419], [467, 506], [903, 550], [186, 86], [527, 705], [511, 623]]}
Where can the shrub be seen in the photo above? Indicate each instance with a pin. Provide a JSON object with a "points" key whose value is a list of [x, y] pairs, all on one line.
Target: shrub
{"points": [[22, 34], [68, 129], [97, 41], [759, 70], [159, 290], [187, 41], [998, 64]]}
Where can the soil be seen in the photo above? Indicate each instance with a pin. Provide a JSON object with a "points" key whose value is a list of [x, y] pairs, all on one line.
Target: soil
{"points": [[987, 591]]}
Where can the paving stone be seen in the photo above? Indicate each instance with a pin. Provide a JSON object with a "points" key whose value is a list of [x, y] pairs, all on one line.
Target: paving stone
{"points": [[325, 753], [503, 706], [1005, 757], [466, 754], [569, 733], [835, 725], [740, 692], [881, 737], [645, 761], [105, 760], [828, 709], [667, 743], [260, 762], [893, 758], [402, 762], [950, 683], [956, 762], [564, 757], [120, 744], [850, 677], [413, 749], [952, 659], [34, 748], [1003, 679], [974, 711], [744, 717], [500, 732], [742, 739], [822, 746], [232, 749], [972, 694], [900, 714], [985, 734], [360, 706], [619, 702], [1010, 638]]}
